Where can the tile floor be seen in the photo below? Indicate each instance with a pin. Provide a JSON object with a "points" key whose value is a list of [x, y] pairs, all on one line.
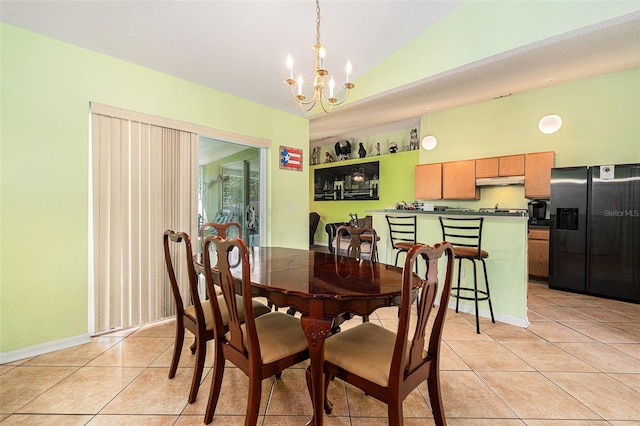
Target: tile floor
{"points": [[577, 364]]}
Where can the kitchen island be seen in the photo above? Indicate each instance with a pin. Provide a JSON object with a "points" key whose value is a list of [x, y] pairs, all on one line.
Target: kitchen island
{"points": [[504, 237]]}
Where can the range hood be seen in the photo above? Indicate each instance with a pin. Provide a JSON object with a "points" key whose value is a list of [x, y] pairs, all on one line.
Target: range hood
{"points": [[500, 181]]}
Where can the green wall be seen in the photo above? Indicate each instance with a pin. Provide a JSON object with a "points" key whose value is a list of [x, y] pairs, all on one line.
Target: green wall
{"points": [[46, 87]]}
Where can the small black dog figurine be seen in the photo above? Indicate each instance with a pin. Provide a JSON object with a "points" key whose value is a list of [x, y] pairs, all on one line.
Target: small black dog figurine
{"points": [[343, 150], [361, 151]]}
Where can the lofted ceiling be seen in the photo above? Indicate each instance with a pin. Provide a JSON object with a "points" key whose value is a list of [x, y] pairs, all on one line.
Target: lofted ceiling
{"points": [[239, 47]]}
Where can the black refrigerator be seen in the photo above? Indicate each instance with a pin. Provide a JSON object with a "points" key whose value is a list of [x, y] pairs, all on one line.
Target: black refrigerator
{"points": [[594, 241]]}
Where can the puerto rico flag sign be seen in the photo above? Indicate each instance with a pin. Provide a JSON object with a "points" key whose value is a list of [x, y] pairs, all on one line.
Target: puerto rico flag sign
{"points": [[290, 158]]}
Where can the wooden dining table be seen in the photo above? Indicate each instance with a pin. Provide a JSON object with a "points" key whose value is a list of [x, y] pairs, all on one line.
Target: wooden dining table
{"points": [[320, 286]]}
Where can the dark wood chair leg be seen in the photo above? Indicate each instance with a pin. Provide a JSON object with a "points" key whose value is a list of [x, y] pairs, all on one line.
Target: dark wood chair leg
{"points": [[194, 345], [216, 385], [177, 349], [253, 400], [201, 353]]}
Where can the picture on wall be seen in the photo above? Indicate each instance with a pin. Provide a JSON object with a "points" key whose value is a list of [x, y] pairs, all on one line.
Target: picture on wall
{"points": [[290, 158]]}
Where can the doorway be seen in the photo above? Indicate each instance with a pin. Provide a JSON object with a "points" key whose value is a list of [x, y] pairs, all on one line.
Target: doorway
{"points": [[231, 186]]}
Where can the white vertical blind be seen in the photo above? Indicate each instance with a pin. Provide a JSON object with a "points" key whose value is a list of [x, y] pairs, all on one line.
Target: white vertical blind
{"points": [[144, 181]]}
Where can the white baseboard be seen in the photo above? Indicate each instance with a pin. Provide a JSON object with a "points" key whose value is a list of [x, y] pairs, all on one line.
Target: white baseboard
{"points": [[43, 348]]}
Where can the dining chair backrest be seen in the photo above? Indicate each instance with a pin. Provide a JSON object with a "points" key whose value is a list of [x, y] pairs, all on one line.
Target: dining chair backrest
{"points": [[261, 347], [357, 242], [387, 365], [220, 229], [465, 233], [190, 311]]}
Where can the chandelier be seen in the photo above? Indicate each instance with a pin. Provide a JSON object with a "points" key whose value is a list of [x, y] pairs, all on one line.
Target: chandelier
{"points": [[295, 85]]}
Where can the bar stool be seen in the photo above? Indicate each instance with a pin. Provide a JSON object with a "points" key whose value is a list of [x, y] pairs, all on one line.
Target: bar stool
{"points": [[402, 232], [466, 236]]}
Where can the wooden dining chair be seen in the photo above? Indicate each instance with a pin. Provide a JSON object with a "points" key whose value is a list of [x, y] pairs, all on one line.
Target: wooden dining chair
{"points": [[359, 242], [387, 365], [220, 229], [192, 313], [261, 347]]}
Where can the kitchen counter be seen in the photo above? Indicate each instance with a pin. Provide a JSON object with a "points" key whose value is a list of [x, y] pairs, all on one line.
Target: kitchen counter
{"points": [[456, 212], [504, 237]]}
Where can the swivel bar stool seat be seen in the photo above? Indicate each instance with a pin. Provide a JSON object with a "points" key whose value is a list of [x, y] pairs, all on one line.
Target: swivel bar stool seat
{"points": [[466, 236]]}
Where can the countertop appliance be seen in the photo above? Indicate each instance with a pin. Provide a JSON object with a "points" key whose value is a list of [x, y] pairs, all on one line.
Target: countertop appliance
{"points": [[501, 210], [594, 239], [538, 212]]}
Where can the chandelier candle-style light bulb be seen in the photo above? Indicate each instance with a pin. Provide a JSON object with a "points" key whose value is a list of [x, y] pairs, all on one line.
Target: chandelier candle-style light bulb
{"points": [[327, 103], [290, 68]]}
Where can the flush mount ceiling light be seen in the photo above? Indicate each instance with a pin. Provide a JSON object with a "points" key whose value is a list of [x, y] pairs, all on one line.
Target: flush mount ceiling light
{"points": [[320, 73], [550, 123], [429, 142]]}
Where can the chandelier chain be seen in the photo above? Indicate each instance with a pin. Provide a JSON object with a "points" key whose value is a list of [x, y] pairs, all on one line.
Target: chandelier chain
{"points": [[317, 22]]}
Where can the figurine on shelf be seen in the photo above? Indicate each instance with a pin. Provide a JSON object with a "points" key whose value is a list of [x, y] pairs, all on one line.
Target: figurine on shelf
{"points": [[328, 158], [361, 151], [315, 153], [393, 147], [413, 139], [343, 150], [378, 147]]}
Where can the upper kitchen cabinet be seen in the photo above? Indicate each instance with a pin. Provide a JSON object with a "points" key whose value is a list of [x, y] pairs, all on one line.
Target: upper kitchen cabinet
{"points": [[511, 165], [537, 176], [459, 180], [428, 181], [487, 167]]}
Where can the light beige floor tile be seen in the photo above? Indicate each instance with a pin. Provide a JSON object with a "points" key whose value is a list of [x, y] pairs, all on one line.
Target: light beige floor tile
{"points": [[567, 422], [532, 396], [603, 357], [464, 395], [21, 385], [609, 398], [126, 420], [544, 356], [484, 422], [198, 420], [133, 352], [632, 328], [290, 395], [488, 356], [603, 332], [631, 380], [86, 391], [604, 315], [536, 316], [361, 405], [164, 328], [507, 332], [449, 360], [152, 393], [561, 313], [632, 349], [47, 419], [187, 359], [556, 332], [462, 330], [77, 355], [568, 299], [535, 301], [337, 394], [4, 368], [233, 394]]}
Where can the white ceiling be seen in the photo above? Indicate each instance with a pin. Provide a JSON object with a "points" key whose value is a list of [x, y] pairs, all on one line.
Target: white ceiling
{"points": [[239, 47]]}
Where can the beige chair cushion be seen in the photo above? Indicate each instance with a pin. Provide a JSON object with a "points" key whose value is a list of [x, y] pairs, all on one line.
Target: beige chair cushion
{"points": [[365, 350], [258, 310], [279, 336]]}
